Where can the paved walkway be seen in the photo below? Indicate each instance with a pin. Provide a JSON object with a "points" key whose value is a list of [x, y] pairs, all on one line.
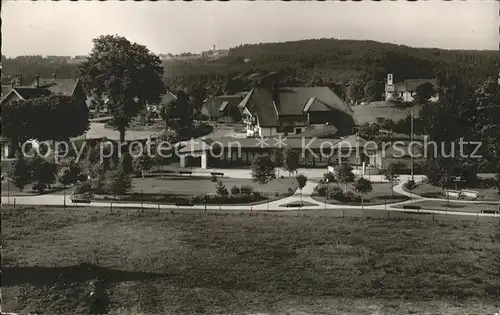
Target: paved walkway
{"points": [[60, 200]]}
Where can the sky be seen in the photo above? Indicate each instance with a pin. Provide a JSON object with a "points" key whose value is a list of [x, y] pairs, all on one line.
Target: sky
{"points": [[67, 28]]}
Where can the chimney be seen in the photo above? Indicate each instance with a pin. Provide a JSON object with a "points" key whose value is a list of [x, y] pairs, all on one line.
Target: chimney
{"points": [[37, 78], [20, 79]]}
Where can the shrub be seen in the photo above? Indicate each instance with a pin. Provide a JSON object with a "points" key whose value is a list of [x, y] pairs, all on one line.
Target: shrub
{"points": [[336, 193], [235, 190], [329, 177], [221, 189], [321, 191], [83, 188], [351, 197], [410, 185], [246, 190], [39, 186]]}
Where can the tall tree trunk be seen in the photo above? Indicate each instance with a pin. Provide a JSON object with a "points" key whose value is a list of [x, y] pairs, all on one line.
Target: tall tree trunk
{"points": [[122, 134]]}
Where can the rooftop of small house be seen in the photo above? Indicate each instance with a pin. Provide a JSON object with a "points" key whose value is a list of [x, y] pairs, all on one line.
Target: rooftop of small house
{"points": [[269, 104]]}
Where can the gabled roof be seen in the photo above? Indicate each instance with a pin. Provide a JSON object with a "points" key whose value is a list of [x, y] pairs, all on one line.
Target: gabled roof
{"points": [[213, 106], [259, 103], [29, 92], [291, 101], [62, 86]]}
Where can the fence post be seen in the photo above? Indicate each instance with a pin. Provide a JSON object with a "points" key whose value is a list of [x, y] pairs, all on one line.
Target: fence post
{"points": [[14, 202], [343, 213], [158, 208], [388, 215], [111, 207]]}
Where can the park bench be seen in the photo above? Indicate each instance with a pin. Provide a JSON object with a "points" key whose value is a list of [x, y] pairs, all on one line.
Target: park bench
{"points": [[453, 193], [411, 207], [217, 174], [82, 198], [471, 194], [185, 203], [185, 173]]}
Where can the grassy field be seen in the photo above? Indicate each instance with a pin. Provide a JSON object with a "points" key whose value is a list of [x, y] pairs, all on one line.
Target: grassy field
{"points": [[193, 185], [381, 193], [240, 263]]}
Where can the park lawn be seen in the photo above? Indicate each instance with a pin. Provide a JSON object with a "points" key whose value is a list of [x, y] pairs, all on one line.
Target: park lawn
{"points": [[443, 205], [194, 185], [430, 191], [171, 263], [382, 193]]}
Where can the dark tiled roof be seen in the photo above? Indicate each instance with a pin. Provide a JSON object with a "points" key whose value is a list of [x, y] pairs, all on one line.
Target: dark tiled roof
{"points": [[260, 103], [256, 143], [292, 101], [29, 92], [62, 86], [212, 105], [412, 84]]}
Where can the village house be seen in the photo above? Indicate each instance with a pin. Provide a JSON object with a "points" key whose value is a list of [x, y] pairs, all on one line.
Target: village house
{"points": [[407, 89], [285, 111], [39, 88], [216, 107]]}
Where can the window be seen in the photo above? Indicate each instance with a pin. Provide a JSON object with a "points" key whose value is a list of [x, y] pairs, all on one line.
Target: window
{"points": [[298, 130]]}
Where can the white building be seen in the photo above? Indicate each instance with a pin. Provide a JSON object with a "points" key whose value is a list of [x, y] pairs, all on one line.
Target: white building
{"points": [[406, 90]]}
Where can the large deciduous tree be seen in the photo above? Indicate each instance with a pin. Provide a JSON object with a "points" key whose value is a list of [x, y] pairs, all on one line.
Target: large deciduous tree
{"points": [[424, 92], [125, 73], [178, 115]]}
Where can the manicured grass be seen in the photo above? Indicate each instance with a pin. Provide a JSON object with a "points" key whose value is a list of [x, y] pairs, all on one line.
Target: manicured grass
{"points": [[429, 191], [235, 264], [455, 206], [193, 185], [382, 193]]}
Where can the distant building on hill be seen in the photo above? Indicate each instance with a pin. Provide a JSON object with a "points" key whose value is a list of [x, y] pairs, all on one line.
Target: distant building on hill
{"points": [[406, 90]]}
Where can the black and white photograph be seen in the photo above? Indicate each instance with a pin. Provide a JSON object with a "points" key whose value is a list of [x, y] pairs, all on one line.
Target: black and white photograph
{"points": [[250, 157]]}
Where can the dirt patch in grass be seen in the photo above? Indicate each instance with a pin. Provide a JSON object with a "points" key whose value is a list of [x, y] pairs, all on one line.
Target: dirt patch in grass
{"points": [[187, 263]]}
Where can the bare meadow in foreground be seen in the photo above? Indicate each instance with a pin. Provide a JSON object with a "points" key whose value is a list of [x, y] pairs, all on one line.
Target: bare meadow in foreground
{"points": [[186, 263]]}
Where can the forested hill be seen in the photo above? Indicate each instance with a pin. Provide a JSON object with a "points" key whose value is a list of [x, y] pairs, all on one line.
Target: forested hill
{"points": [[403, 61], [356, 68]]}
